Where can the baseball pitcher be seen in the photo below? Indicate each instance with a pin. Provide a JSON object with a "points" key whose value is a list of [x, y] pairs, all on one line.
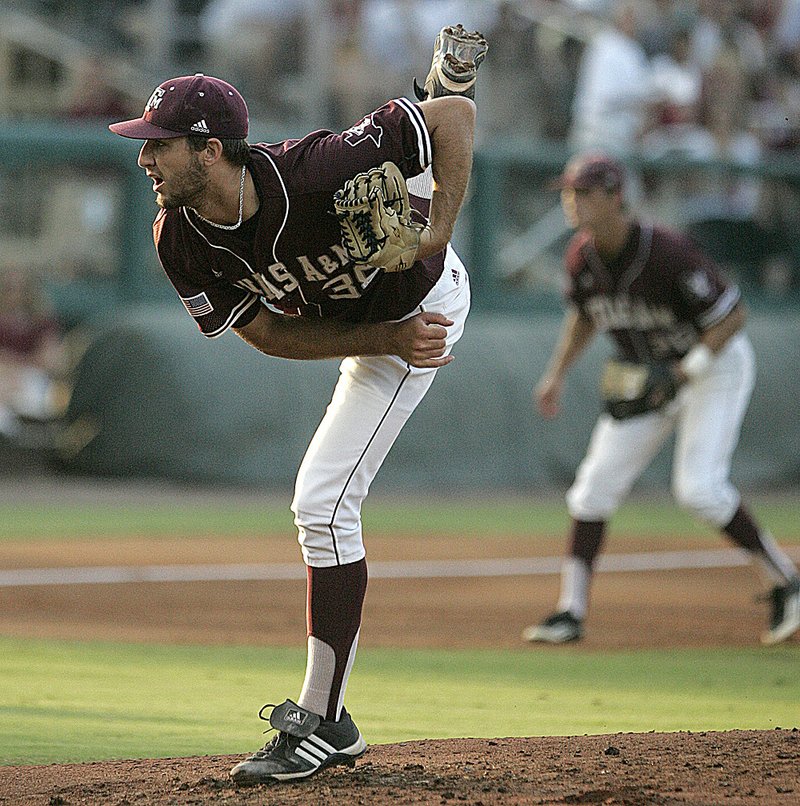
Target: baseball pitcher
{"points": [[330, 245]]}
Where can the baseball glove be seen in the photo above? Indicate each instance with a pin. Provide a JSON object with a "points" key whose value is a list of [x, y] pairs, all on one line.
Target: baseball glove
{"points": [[457, 55], [375, 219], [630, 389]]}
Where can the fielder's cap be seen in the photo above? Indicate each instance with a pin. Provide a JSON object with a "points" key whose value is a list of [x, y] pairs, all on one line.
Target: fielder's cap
{"points": [[588, 171], [187, 105]]}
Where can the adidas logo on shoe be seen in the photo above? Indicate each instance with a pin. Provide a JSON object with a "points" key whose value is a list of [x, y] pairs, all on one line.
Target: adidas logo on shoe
{"points": [[295, 716]]}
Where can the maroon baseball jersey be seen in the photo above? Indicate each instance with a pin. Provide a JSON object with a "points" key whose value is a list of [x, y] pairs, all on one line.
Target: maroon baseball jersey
{"points": [[655, 298], [289, 255]]}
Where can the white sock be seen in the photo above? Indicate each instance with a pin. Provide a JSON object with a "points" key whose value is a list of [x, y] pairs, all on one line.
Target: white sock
{"points": [[575, 578], [320, 666], [775, 565], [320, 670]]}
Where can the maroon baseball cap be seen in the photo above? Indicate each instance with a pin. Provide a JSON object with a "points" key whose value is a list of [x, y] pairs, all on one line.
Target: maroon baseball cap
{"points": [[587, 171], [187, 105]]}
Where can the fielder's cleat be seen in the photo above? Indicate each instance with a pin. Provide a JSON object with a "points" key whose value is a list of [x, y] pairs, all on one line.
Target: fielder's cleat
{"points": [[785, 617], [556, 629], [304, 745]]}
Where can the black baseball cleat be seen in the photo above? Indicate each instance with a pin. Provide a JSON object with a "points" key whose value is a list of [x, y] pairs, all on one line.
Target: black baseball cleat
{"points": [[785, 616], [556, 629], [304, 745]]}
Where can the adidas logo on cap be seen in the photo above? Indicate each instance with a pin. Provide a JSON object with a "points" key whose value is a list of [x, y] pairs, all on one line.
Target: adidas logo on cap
{"points": [[201, 126]]}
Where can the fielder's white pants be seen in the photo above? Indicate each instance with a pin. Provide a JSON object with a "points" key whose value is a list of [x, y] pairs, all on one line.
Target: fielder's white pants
{"points": [[373, 399], [706, 416]]}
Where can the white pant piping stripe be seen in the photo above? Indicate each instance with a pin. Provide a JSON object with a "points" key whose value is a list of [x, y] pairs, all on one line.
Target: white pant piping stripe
{"points": [[358, 462]]}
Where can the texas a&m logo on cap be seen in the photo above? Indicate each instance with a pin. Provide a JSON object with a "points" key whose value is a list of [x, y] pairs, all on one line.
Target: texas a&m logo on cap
{"points": [[155, 99]]}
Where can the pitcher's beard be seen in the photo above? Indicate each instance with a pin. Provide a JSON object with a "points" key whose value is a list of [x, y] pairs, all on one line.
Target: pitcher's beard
{"points": [[188, 191]]}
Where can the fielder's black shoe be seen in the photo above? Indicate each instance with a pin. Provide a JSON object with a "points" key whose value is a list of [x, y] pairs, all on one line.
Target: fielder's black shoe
{"points": [[556, 629], [785, 616], [304, 745]]}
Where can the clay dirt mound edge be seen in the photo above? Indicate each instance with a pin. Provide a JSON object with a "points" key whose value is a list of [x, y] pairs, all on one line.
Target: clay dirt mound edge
{"points": [[734, 767]]}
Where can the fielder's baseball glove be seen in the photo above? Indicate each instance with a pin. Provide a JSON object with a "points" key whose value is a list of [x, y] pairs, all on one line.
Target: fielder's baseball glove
{"points": [[457, 55], [375, 219], [630, 389]]}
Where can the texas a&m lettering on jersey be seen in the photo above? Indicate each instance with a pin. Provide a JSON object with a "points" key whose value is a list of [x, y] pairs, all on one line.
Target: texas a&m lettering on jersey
{"points": [[289, 254], [655, 298], [338, 277]]}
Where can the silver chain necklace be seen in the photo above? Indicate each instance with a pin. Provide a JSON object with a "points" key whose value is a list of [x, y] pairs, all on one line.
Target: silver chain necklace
{"points": [[241, 207]]}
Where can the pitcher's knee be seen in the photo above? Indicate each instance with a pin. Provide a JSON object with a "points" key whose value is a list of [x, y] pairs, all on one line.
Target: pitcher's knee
{"points": [[586, 504], [326, 539]]}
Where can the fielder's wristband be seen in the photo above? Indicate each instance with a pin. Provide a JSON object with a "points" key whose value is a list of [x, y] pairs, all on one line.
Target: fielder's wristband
{"points": [[697, 361]]}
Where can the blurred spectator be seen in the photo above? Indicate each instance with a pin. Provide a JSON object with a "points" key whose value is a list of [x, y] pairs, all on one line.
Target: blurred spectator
{"points": [[93, 97], [348, 94], [777, 111], [386, 47], [394, 35], [659, 21], [722, 25], [726, 103], [675, 129], [763, 15], [513, 99], [366, 51], [614, 87], [423, 19], [398, 35], [100, 20], [677, 92], [260, 46], [559, 71], [786, 27], [703, 114], [382, 45], [597, 7], [32, 357]]}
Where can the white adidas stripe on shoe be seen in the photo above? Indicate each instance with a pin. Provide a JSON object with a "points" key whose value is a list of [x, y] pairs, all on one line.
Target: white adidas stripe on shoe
{"points": [[304, 745]]}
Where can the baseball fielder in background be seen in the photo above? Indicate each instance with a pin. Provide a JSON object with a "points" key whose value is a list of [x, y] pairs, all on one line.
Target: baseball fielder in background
{"points": [[309, 249], [683, 363]]}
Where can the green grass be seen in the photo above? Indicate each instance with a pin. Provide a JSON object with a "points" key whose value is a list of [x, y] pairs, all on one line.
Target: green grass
{"points": [[71, 701], [502, 515]]}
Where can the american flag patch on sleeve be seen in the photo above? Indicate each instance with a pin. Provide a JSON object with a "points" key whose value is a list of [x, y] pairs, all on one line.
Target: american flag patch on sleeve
{"points": [[198, 305]]}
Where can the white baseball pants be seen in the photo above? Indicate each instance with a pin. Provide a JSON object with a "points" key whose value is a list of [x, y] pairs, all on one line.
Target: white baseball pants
{"points": [[707, 417], [373, 399]]}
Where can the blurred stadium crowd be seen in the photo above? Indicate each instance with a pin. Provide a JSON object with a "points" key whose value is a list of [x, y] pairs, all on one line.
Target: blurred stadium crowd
{"points": [[707, 80], [706, 76]]}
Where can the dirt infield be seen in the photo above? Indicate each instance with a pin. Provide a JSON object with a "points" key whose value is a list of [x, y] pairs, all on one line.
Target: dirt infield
{"points": [[679, 608], [672, 608]]}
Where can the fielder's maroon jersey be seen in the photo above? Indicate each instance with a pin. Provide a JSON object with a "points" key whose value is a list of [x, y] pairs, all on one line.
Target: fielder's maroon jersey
{"points": [[289, 255], [655, 298]]}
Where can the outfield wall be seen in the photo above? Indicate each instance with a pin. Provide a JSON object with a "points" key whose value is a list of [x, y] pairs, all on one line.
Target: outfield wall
{"points": [[153, 398]]}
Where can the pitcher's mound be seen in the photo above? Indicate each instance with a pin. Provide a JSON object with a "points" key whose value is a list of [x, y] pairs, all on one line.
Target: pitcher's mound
{"points": [[732, 767]]}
